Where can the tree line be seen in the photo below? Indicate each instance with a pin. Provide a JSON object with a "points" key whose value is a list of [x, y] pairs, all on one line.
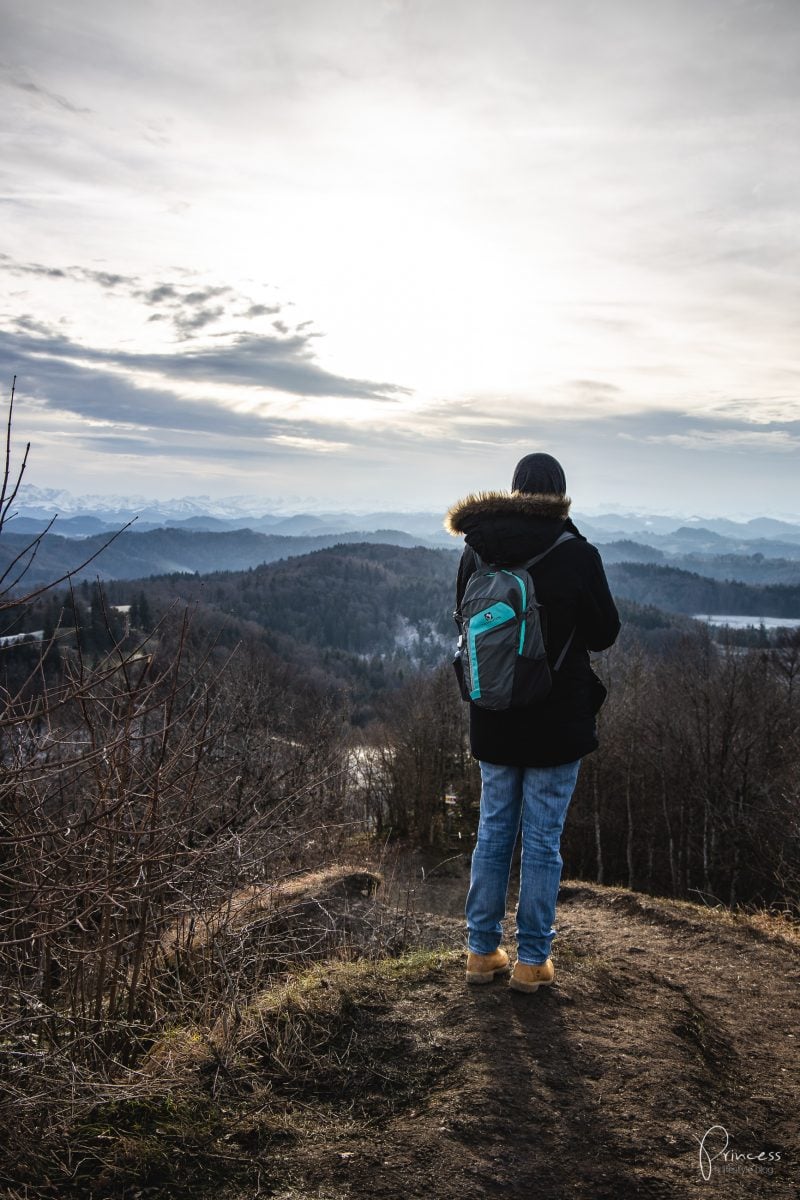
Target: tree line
{"points": [[695, 790], [687, 592]]}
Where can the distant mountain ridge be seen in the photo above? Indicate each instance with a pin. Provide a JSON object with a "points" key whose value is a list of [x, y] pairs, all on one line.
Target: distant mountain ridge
{"points": [[706, 556], [701, 539], [161, 551], [614, 525], [362, 613], [673, 590], [305, 515], [691, 547], [184, 548], [291, 515], [744, 568]]}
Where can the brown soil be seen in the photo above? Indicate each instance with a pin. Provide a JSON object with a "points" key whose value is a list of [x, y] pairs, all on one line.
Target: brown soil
{"points": [[665, 1020], [379, 1073]]}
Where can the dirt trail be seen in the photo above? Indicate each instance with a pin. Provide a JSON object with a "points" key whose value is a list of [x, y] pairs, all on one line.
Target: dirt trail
{"points": [[666, 1020]]}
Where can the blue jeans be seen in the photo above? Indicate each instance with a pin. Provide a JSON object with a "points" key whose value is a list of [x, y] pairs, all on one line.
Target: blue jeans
{"points": [[535, 800]]}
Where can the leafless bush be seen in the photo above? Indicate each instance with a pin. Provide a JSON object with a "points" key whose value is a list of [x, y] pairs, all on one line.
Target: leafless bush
{"points": [[694, 790], [419, 756], [142, 790]]}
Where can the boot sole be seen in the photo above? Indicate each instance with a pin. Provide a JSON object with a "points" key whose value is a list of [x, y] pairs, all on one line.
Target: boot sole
{"points": [[487, 976], [519, 986]]}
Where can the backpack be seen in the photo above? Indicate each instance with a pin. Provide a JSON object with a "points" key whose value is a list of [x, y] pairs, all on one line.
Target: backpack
{"points": [[501, 657]]}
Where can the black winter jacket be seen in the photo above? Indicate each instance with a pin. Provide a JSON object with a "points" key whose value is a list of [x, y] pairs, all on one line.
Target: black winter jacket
{"points": [[506, 529]]}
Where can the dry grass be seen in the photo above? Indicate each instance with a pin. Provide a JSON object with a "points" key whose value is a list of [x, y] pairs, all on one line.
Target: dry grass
{"points": [[193, 933], [210, 1105]]}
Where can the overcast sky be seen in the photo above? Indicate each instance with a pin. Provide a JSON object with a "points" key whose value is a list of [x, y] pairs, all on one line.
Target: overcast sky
{"points": [[369, 252]]}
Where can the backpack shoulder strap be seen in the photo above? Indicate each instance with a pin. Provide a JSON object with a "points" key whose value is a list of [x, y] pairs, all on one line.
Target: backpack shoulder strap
{"points": [[566, 536], [563, 654], [479, 564]]}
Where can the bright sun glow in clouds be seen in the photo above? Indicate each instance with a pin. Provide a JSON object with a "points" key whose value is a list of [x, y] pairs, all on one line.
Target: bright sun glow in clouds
{"points": [[370, 251]]}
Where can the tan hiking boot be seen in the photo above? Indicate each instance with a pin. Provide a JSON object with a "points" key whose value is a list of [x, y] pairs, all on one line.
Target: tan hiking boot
{"points": [[529, 977], [482, 968]]}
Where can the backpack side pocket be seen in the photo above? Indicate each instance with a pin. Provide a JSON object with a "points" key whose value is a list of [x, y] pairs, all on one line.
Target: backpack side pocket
{"points": [[458, 667]]}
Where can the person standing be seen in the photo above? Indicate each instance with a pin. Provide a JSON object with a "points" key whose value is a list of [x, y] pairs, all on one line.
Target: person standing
{"points": [[530, 756]]}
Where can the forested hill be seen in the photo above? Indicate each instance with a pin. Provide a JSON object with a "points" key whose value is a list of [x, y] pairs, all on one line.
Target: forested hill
{"points": [[363, 599], [131, 555], [135, 555], [359, 616], [747, 568], [680, 591]]}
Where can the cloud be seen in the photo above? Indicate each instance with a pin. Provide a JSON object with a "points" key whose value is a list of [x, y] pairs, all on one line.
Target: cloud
{"points": [[104, 414], [277, 361], [168, 292], [187, 307], [157, 295], [593, 386], [114, 429], [189, 323], [719, 434], [262, 310], [560, 218], [257, 360], [758, 410], [105, 279], [766, 441], [34, 89], [32, 268], [198, 447]]}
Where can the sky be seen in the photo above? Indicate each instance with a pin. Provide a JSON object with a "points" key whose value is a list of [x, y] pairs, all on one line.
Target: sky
{"points": [[368, 253]]}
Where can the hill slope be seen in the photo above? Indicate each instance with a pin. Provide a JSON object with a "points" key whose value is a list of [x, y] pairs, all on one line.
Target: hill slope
{"points": [[353, 601], [686, 592], [358, 598], [603, 1087], [132, 555], [390, 1078]]}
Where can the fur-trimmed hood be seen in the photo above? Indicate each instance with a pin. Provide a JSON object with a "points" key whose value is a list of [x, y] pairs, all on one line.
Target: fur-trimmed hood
{"points": [[465, 514], [510, 527]]}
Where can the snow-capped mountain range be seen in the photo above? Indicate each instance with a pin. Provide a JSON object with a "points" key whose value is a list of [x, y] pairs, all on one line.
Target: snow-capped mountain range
{"points": [[82, 515], [35, 501]]}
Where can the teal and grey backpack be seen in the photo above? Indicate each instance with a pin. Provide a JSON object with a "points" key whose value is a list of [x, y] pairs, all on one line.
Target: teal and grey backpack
{"points": [[501, 657]]}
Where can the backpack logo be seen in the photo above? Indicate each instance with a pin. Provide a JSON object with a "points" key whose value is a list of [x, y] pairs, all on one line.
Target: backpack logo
{"points": [[501, 657]]}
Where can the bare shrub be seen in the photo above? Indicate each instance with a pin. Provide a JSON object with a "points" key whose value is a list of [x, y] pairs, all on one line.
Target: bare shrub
{"points": [[145, 790], [418, 756], [694, 789]]}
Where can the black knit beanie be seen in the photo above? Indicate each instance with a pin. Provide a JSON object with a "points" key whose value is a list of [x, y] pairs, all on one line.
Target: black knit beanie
{"points": [[541, 474]]}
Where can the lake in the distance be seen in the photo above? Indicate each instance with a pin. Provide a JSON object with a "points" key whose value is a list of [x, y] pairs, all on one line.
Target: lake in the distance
{"points": [[736, 622]]}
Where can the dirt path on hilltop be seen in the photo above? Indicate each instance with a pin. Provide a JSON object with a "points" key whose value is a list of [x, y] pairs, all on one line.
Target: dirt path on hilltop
{"points": [[665, 1021]]}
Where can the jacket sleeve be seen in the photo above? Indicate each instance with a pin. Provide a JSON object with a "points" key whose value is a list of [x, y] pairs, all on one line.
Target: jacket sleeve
{"points": [[466, 567], [598, 619]]}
